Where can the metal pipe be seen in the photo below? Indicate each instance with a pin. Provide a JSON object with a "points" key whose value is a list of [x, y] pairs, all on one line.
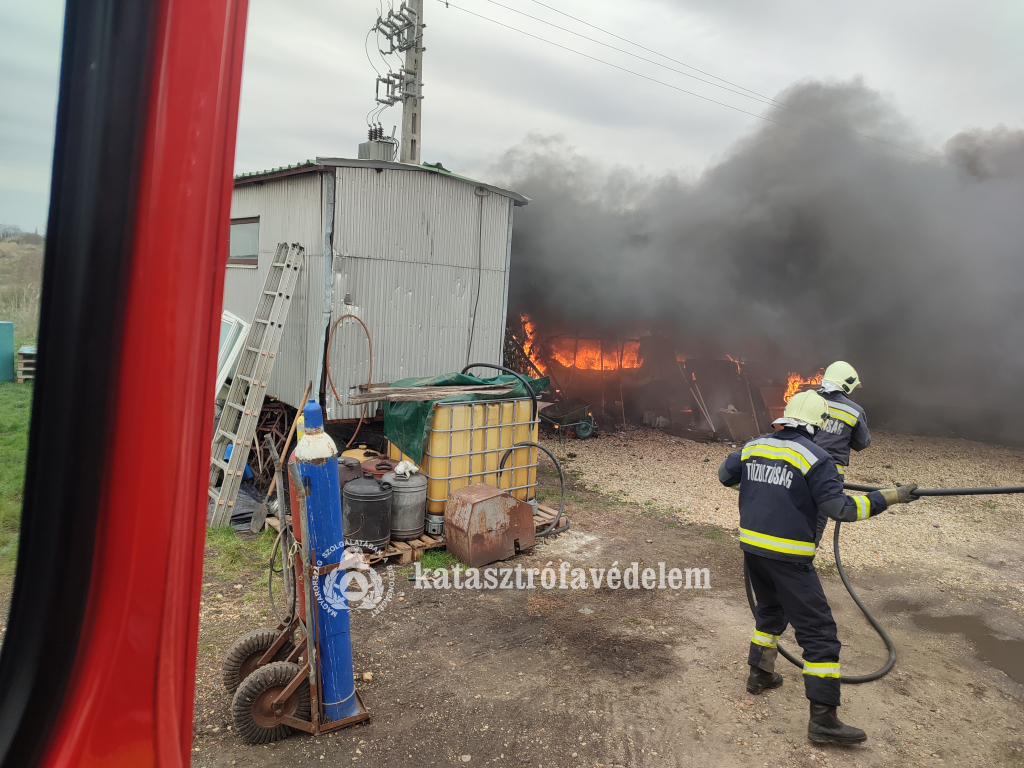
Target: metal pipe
{"points": [[982, 491]]}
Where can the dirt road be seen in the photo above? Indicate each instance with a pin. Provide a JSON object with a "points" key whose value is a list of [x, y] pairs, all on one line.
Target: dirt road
{"points": [[559, 678]]}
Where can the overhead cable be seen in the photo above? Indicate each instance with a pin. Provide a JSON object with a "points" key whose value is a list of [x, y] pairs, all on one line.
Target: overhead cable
{"points": [[750, 94], [448, 4]]}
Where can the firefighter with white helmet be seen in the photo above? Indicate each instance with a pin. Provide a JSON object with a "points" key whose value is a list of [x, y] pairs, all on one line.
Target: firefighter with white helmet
{"points": [[847, 424], [785, 483]]}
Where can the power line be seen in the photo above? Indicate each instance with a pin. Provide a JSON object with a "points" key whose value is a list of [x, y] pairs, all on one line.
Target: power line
{"points": [[762, 98], [656, 53], [749, 95], [448, 4]]}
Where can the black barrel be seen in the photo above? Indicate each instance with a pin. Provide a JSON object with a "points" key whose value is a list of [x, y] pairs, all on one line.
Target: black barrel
{"points": [[366, 513]]}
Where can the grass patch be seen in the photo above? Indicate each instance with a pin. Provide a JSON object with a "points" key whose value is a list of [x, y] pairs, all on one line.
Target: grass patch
{"points": [[438, 558], [230, 552], [15, 409], [710, 532]]}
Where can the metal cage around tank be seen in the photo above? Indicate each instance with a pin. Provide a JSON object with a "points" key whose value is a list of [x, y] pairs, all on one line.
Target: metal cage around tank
{"points": [[469, 440]]}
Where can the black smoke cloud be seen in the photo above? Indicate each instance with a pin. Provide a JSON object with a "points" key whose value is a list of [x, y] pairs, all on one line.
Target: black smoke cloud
{"points": [[808, 242]]}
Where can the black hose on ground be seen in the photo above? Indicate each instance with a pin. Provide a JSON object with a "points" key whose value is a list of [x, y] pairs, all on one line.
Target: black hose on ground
{"points": [[850, 679], [884, 670], [561, 478]]}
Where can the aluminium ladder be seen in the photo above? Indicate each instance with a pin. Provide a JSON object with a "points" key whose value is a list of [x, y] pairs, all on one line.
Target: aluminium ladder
{"points": [[237, 426]]}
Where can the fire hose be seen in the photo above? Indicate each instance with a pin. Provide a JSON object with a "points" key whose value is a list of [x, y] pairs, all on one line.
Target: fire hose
{"points": [[890, 647]]}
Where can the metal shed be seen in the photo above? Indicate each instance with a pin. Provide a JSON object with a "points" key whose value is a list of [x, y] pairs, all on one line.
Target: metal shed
{"points": [[419, 254]]}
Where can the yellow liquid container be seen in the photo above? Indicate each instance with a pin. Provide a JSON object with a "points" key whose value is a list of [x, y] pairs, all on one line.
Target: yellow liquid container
{"points": [[467, 442]]}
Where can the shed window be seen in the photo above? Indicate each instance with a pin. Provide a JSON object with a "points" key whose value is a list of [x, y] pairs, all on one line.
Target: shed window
{"points": [[244, 245]]}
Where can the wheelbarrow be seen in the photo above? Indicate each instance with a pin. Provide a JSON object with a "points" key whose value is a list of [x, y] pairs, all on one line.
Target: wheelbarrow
{"points": [[569, 417]]}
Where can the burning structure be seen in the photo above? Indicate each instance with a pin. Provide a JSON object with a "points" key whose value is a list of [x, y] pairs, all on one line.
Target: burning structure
{"points": [[647, 379], [807, 243]]}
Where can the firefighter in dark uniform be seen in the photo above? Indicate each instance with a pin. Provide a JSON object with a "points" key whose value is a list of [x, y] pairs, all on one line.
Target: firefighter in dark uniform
{"points": [[785, 482], [846, 427], [847, 424]]}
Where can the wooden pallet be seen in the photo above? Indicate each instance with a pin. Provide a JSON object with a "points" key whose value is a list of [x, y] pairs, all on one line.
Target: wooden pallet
{"points": [[26, 365], [545, 515], [410, 551]]}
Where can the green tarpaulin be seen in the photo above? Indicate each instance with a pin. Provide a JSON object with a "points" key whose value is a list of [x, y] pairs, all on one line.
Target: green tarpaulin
{"points": [[407, 424]]}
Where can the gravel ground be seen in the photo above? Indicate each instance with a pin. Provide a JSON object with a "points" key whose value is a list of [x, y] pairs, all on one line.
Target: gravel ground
{"points": [[679, 477]]}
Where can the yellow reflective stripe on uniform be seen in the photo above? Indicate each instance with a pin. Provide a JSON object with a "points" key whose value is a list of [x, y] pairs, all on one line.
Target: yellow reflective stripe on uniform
{"points": [[763, 638], [863, 507], [781, 454], [840, 469], [822, 669], [842, 415], [775, 544]]}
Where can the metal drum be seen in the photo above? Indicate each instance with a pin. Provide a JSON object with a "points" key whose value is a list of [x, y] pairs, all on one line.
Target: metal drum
{"points": [[348, 469], [408, 505], [434, 525], [366, 513]]}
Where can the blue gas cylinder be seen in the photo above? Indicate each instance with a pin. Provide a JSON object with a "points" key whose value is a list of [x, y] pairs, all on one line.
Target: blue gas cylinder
{"points": [[317, 460]]}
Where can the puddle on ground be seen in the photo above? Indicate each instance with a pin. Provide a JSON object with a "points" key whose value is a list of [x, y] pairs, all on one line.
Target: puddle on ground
{"points": [[1004, 655]]}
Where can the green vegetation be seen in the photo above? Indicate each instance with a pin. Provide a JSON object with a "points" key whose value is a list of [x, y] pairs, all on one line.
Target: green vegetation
{"points": [[229, 553], [438, 558], [21, 277], [15, 407], [711, 532]]}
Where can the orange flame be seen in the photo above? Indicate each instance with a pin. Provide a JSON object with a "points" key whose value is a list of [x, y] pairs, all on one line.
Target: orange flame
{"points": [[796, 381], [584, 354], [737, 362], [529, 346]]}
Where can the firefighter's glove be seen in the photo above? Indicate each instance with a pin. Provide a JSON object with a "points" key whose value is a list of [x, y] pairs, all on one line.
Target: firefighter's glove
{"points": [[901, 494]]}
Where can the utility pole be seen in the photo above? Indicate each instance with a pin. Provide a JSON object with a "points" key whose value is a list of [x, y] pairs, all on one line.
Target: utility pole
{"points": [[412, 103], [403, 29]]}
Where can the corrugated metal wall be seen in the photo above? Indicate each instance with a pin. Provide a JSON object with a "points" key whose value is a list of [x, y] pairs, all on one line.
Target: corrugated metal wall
{"points": [[407, 261], [290, 210]]}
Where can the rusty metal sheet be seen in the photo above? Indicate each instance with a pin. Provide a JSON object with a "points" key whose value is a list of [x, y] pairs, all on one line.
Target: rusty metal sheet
{"points": [[483, 525]]}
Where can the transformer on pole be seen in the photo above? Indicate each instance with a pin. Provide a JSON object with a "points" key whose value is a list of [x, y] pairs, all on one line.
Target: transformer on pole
{"points": [[403, 29]]}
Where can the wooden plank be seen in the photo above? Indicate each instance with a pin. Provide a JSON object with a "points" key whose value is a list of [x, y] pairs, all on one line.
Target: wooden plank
{"points": [[274, 523]]}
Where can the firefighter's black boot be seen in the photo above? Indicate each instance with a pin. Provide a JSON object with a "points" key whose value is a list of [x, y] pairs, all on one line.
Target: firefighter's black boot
{"points": [[760, 680], [825, 726]]}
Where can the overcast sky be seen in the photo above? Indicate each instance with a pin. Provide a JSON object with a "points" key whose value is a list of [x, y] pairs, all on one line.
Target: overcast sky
{"points": [[308, 84]]}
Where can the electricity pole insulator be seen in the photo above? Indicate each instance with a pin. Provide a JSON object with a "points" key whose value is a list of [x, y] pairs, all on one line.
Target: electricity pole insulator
{"points": [[412, 85], [403, 30]]}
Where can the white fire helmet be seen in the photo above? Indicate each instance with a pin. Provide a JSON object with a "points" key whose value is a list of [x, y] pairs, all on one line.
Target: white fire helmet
{"points": [[808, 407], [842, 375]]}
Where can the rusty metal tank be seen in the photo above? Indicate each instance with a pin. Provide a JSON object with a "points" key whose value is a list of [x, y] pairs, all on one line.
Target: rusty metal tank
{"points": [[379, 466], [366, 513], [293, 503], [348, 469], [408, 505], [483, 525]]}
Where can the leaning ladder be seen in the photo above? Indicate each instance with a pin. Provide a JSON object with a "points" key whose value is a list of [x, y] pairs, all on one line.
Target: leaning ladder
{"points": [[238, 419]]}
